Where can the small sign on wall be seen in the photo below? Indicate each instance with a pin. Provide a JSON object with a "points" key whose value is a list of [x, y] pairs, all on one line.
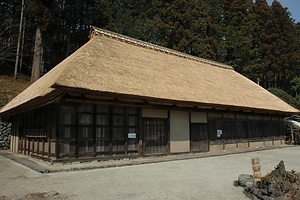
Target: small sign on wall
{"points": [[132, 135], [219, 133]]}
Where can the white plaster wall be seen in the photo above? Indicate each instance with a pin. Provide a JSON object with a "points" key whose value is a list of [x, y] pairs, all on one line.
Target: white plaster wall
{"points": [[154, 113], [198, 117], [179, 131]]}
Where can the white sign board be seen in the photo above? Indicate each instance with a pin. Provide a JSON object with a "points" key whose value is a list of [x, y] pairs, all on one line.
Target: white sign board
{"points": [[219, 133], [132, 135]]}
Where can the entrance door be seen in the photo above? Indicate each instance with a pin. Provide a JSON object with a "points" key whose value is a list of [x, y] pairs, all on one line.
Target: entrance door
{"points": [[199, 139], [155, 136]]}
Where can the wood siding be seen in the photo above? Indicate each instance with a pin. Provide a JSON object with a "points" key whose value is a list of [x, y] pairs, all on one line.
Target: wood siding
{"points": [[80, 131]]}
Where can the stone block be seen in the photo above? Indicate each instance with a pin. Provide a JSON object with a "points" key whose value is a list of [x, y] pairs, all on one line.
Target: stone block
{"points": [[245, 180]]}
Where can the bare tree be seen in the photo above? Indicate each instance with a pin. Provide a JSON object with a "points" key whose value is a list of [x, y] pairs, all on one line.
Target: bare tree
{"points": [[19, 40], [22, 45], [8, 41]]}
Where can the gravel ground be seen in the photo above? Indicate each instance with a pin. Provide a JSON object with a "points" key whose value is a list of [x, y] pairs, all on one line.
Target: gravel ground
{"points": [[201, 178]]}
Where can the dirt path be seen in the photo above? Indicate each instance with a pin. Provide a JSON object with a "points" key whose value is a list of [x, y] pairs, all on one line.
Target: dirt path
{"points": [[202, 178]]}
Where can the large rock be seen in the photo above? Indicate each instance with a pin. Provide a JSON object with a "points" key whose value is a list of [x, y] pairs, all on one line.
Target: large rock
{"points": [[245, 180], [279, 184], [298, 177]]}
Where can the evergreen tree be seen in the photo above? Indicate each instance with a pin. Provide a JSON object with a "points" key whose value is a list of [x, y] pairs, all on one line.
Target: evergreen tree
{"points": [[180, 25], [214, 29], [263, 23], [76, 17], [129, 17], [295, 50], [282, 41], [42, 14], [238, 29], [277, 43], [102, 15]]}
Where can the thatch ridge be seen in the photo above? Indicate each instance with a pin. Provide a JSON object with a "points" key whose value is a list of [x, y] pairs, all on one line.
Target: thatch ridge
{"points": [[96, 31]]}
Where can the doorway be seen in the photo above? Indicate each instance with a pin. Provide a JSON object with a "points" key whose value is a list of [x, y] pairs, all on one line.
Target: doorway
{"points": [[156, 137], [199, 139]]}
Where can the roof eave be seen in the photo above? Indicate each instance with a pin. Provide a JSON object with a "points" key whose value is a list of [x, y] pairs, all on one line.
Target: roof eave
{"points": [[39, 101], [144, 100]]}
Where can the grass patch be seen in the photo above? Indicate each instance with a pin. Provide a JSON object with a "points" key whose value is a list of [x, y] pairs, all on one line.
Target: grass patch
{"points": [[10, 87]]}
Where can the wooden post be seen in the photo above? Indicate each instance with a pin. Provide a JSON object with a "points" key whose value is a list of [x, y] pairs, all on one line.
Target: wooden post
{"points": [[141, 133], [94, 131], [126, 130], [57, 139], [256, 169], [140, 148]]}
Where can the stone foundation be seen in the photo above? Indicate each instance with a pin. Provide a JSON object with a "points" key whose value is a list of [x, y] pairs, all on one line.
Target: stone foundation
{"points": [[5, 131]]}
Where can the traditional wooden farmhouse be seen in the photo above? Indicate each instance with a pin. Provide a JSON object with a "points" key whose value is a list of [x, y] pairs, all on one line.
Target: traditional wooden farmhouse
{"points": [[121, 97]]}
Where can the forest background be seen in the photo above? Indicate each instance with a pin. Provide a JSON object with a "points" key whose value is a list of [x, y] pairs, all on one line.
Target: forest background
{"points": [[260, 41]]}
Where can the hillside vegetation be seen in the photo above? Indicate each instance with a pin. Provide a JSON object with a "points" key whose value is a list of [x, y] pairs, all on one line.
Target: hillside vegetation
{"points": [[295, 102], [10, 87]]}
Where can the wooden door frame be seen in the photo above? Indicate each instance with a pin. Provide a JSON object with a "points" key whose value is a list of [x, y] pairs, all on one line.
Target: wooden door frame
{"points": [[167, 132]]}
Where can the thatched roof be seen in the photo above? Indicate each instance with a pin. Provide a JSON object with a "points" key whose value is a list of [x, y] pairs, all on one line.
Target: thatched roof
{"points": [[113, 64]]}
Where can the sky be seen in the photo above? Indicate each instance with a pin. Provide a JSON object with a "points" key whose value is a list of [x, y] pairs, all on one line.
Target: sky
{"points": [[293, 7]]}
